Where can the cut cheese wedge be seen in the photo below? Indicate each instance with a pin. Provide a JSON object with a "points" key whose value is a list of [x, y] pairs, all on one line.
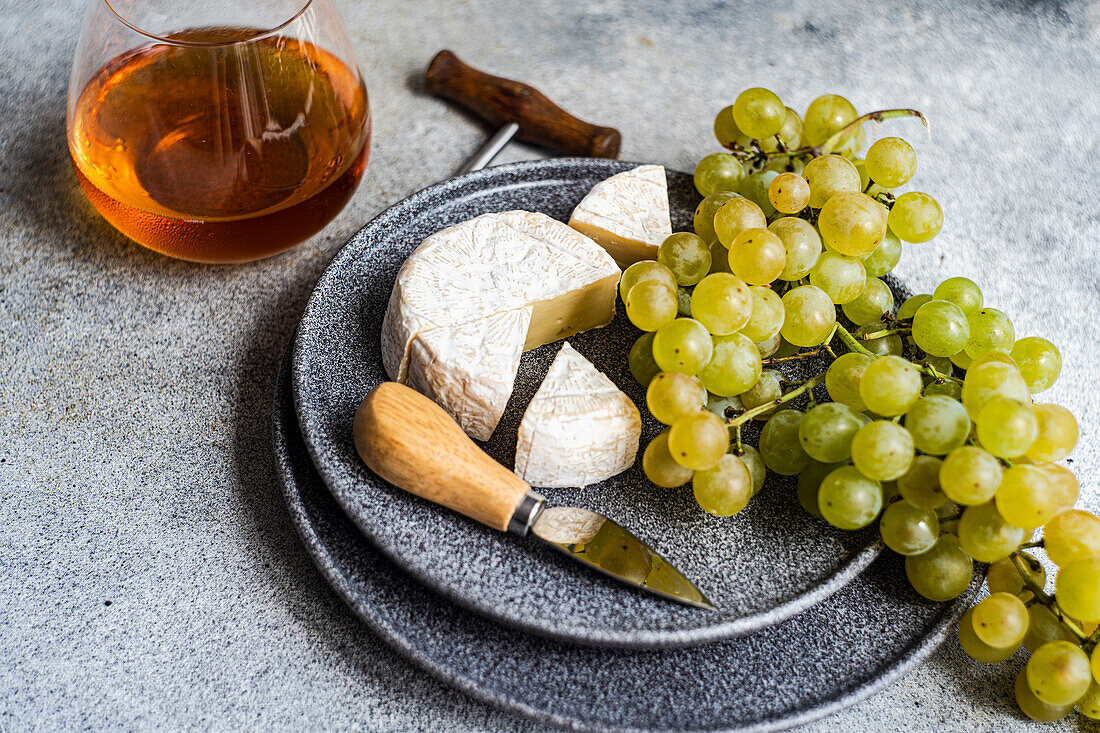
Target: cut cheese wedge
{"points": [[627, 214], [471, 298], [579, 428]]}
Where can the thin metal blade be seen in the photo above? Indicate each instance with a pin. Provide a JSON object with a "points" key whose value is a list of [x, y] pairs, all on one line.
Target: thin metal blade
{"points": [[604, 545]]}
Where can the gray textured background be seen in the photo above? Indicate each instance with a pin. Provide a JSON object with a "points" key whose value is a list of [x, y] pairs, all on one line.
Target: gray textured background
{"points": [[135, 465]]}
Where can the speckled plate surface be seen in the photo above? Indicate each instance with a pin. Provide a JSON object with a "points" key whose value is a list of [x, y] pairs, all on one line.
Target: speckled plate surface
{"points": [[833, 655], [761, 566]]}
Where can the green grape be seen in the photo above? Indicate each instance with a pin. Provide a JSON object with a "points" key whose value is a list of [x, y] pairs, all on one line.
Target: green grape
{"points": [[733, 368], [682, 345], [842, 379], [727, 132], [802, 244], [672, 395], [659, 466], [755, 188], [977, 649], [1077, 587], [752, 460], [722, 302], [882, 450], [1064, 483], [891, 162], [1071, 535], [724, 407], [1035, 708], [890, 386], [1026, 498], [938, 424], [759, 113], [1043, 627], [909, 308], [961, 360], [961, 291], [852, 223], [1058, 672], [1006, 428], [705, 213], [789, 193], [861, 166], [849, 500], [985, 535], [1000, 620], [790, 134], [941, 364], [1004, 577], [920, 485], [885, 257], [990, 330], [890, 345], [771, 347], [687, 255], [697, 441], [842, 278], [718, 172], [826, 431], [1089, 704], [767, 314], [735, 216], [825, 116], [719, 261], [1095, 664], [915, 217], [940, 328], [787, 165], [809, 481], [1039, 361], [944, 389], [757, 256], [970, 476], [829, 175], [779, 445], [642, 272], [723, 489], [809, 316], [992, 379], [941, 573], [683, 302], [640, 360], [908, 530], [873, 302], [768, 388], [651, 304]]}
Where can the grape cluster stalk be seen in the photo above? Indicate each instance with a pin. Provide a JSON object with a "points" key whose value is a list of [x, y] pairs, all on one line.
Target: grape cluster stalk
{"points": [[930, 428]]}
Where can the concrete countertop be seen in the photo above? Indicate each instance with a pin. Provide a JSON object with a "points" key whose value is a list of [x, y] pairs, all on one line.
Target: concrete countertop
{"points": [[150, 577]]}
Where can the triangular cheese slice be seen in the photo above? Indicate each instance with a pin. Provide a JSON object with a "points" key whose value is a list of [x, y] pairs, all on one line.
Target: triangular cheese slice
{"points": [[627, 214], [579, 428]]}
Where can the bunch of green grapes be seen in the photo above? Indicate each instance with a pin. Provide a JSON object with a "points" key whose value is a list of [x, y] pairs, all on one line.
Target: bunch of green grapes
{"points": [[929, 430]]}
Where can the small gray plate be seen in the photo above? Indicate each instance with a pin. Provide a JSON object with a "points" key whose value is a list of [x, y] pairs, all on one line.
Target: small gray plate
{"points": [[761, 566], [831, 656]]}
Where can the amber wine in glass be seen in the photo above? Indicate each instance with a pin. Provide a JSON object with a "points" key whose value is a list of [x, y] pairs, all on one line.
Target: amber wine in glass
{"points": [[217, 142]]}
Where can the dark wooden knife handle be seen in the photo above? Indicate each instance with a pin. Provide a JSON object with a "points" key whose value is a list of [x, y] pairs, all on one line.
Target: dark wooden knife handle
{"points": [[499, 101]]}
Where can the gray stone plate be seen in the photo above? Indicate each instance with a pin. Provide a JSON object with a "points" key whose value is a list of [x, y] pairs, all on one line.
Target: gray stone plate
{"points": [[832, 655], [761, 566]]}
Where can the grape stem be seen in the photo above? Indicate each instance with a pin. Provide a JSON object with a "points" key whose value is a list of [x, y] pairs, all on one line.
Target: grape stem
{"points": [[1029, 545], [882, 333], [1048, 600], [794, 357], [805, 387], [854, 345], [876, 116]]}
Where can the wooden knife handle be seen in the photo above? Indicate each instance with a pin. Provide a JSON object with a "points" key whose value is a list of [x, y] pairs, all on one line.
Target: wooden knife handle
{"points": [[501, 100], [411, 442]]}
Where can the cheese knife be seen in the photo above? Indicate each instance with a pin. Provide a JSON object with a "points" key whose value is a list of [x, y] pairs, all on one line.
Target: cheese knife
{"points": [[409, 441], [518, 110]]}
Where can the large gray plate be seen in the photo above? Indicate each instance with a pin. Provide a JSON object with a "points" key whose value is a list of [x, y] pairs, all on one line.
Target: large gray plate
{"points": [[761, 566], [831, 656]]}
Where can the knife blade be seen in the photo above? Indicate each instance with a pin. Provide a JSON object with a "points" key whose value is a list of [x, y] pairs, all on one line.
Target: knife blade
{"points": [[411, 442]]}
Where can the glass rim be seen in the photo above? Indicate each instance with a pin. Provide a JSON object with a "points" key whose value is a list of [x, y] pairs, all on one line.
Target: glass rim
{"points": [[259, 35]]}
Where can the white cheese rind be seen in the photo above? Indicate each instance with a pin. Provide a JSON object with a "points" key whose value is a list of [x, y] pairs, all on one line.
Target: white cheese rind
{"points": [[462, 297], [627, 214], [579, 428]]}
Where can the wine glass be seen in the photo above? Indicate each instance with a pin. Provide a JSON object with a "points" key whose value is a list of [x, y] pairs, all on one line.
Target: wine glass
{"points": [[214, 131]]}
